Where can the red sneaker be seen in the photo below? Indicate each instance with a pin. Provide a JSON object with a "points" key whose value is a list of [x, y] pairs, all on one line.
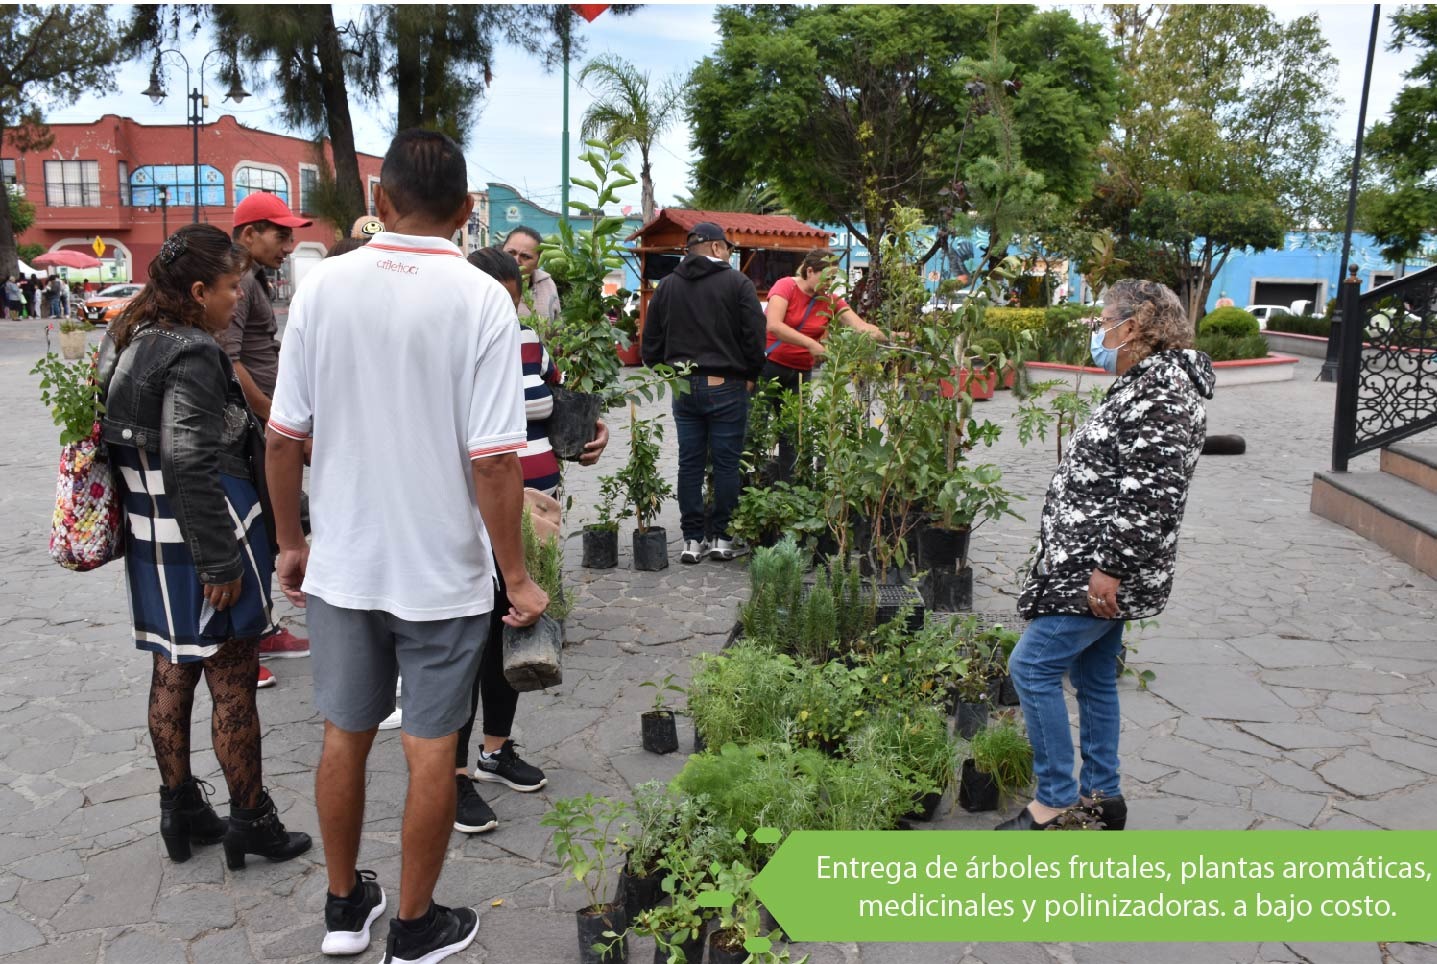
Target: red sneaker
{"points": [[283, 645], [266, 679]]}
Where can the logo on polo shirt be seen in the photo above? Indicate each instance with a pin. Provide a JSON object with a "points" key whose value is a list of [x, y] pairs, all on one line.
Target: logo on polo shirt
{"points": [[388, 265]]}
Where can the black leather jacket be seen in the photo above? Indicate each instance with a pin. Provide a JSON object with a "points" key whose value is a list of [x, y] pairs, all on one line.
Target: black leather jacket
{"points": [[173, 393]]}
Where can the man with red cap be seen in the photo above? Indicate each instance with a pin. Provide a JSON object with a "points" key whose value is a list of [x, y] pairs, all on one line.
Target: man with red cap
{"points": [[263, 226]]}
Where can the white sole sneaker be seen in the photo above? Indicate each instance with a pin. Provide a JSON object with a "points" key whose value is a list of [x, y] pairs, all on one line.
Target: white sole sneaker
{"points": [[438, 954], [343, 943], [482, 774], [393, 721]]}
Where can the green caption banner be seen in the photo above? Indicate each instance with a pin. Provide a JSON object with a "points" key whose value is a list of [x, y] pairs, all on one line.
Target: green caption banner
{"points": [[1313, 886]]}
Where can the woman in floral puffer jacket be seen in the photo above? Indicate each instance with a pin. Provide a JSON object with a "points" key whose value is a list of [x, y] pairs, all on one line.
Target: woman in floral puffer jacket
{"points": [[1107, 548]]}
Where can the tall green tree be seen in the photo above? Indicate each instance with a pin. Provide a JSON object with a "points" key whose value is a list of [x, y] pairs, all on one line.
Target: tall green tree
{"points": [[49, 56], [851, 111], [629, 112], [1402, 208], [1223, 142], [299, 50]]}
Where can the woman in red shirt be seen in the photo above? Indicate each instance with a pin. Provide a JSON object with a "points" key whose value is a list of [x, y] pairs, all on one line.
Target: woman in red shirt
{"points": [[800, 309]]}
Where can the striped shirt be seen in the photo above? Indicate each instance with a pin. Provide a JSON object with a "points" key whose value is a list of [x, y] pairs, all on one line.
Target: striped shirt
{"points": [[541, 468]]}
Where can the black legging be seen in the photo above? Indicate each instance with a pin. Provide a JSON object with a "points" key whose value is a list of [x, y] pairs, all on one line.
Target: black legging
{"points": [[501, 701], [789, 379], [234, 722]]}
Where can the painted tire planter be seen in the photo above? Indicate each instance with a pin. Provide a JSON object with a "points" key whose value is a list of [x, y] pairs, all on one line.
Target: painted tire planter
{"points": [[979, 384]]}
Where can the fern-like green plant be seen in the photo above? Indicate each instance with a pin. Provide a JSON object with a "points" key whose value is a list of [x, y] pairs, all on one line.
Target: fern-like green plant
{"points": [[544, 559]]}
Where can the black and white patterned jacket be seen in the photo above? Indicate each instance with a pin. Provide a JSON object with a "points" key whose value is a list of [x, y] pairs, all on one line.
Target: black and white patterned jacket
{"points": [[1117, 499]]}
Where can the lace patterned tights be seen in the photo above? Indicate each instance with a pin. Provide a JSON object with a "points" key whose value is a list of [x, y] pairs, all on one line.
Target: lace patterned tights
{"points": [[234, 725]]}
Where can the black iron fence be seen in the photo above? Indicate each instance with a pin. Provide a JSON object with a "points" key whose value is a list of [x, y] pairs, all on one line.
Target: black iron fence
{"points": [[1387, 374]]}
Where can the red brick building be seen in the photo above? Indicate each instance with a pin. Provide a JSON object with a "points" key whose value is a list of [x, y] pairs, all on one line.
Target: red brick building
{"points": [[105, 180]]}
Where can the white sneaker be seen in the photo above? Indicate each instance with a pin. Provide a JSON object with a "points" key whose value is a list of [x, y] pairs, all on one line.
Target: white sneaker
{"points": [[722, 550], [694, 551], [396, 719]]}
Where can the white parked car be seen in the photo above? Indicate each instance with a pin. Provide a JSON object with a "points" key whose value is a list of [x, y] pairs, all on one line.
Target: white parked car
{"points": [[1263, 312]]}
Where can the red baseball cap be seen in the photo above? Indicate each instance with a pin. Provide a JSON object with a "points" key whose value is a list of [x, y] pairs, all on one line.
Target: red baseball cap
{"points": [[263, 206]]}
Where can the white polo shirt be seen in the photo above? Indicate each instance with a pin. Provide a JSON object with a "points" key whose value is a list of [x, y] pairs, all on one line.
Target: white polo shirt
{"points": [[401, 361]]}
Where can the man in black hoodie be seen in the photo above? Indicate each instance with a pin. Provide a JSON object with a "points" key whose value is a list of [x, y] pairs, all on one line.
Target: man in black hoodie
{"points": [[708, 314]]}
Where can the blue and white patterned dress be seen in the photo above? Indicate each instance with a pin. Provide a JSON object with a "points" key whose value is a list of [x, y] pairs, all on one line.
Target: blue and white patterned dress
{"points": [[167, 605]]}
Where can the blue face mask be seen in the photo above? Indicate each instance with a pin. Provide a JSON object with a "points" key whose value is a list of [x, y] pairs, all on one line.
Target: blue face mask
{"points": [[1104, 357]]}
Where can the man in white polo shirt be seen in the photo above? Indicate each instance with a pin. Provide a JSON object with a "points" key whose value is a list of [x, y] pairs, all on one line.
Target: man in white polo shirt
{"points": [[401, 361]]}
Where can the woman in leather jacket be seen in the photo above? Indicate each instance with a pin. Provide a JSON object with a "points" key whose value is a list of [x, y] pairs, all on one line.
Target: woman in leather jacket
{"points": [[198, 557]]}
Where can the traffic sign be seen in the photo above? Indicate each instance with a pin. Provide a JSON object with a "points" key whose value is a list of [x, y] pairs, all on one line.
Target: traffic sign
{"points": [[98, 246]]}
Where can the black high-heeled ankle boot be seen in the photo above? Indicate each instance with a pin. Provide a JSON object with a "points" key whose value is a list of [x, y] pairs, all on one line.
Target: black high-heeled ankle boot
{"points": [[1112, 812], [258, 831], [186, 818]]}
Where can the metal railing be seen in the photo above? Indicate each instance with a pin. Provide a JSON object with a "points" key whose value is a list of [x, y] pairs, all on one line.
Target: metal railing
{"points": [[1387, 374]]}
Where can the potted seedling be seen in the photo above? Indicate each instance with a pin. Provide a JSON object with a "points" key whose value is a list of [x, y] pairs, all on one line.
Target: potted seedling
{"points": [[678, 926], [645, 492], [652, 829], [660, 732], [919, 742], [601, 538], [588, 837], [1000, 765], [972, 697], [532, 653], [739, 934], [582, 338]]}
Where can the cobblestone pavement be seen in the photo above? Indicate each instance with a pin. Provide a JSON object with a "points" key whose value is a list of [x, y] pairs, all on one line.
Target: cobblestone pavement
{"points": [[1294, 689]]}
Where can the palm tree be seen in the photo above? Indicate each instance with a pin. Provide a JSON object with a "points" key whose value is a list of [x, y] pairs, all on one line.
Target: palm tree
{"points": [[626, 111]]}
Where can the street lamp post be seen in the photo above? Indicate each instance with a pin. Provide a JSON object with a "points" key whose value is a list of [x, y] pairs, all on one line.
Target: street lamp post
{"points": [[156, 93], [165, 211]]}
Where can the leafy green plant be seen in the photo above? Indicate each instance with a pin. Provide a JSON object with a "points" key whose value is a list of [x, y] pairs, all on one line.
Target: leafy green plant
{"points": [[70, 391], [1220, 347], [865, 793], [973, 495], [1233, 322], [645, 490], [612, 511], [766, 513], [758, 785], [588, 836], [1300, 324], [775, 578], [1051, 405], [652, 828], [544, 559], [1002, 751], [661, 688], [742, 695], [582, 339], [68, 325]]}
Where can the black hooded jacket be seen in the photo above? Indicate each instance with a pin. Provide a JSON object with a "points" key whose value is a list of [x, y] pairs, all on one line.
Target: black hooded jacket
{"points": [[708, 314]]}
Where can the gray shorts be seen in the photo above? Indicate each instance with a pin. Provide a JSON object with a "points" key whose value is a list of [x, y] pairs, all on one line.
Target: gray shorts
{"points": [[358, 655]]}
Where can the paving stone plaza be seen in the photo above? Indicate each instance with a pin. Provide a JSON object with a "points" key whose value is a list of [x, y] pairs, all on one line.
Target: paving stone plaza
{"points": [[1295, 688]]}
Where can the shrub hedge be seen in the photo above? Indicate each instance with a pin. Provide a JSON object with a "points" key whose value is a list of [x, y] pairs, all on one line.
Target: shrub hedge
{"points": [[1232, 322], [1300, 324], [1220, 347]]}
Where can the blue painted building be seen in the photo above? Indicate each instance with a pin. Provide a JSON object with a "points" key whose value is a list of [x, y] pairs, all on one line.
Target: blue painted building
{"points": [[508, 209], [1307, 267]]}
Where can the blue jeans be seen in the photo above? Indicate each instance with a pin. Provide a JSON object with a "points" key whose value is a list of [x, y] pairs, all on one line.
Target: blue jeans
{"points": [[1085, 648], [710, 421]]}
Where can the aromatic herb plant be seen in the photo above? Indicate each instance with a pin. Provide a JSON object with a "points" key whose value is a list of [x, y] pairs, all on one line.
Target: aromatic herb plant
{"points": [[588, 837], [544, 559], [71, 392], [1003, 752], [661, 688], [655, 813]]}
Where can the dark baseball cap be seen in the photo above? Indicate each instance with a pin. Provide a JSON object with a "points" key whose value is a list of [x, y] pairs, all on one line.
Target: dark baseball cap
{"points": [[707, 231]]}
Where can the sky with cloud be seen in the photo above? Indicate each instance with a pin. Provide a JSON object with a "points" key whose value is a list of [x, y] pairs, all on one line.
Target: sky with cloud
{"points": [[518, 136]]}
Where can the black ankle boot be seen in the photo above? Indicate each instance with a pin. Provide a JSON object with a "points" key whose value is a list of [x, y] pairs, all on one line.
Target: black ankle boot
{"points": [[186, 817], [258, 831], [1112, 812]]}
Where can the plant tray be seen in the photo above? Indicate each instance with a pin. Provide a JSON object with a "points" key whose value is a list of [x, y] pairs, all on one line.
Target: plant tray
{"points": [[987, 620]]}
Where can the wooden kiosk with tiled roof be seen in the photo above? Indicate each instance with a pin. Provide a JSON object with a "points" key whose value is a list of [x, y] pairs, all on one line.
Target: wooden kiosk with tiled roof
{"points": [[769, 246]]}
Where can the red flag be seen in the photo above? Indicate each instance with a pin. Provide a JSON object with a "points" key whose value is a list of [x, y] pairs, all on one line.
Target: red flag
{"points": [[590, 11]]}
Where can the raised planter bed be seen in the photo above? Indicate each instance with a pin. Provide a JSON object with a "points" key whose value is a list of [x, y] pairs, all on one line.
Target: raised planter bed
{"points": [[1273, 368], [1291, 343]]}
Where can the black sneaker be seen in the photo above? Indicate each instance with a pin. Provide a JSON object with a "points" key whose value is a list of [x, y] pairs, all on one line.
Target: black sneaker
{"points": [[442, 932], [347, 919], [472, 814], [505, 767]]}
